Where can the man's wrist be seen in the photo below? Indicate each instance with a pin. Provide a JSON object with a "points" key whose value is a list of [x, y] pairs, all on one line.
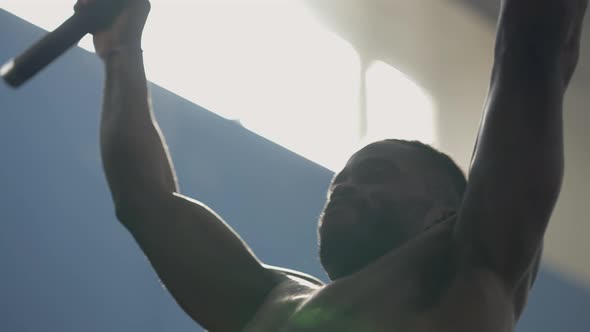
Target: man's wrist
{"points": [[121, 50]]}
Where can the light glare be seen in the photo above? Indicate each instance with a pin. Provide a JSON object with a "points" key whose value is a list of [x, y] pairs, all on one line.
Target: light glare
{"points": [[272, 65]]}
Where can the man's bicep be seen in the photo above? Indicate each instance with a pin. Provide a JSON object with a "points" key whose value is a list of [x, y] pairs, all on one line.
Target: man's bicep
{"points": [[516, 173], [208, 269]]}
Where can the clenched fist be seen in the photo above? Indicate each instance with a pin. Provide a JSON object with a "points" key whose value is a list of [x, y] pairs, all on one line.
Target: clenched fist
{"points": [[124, 31]]}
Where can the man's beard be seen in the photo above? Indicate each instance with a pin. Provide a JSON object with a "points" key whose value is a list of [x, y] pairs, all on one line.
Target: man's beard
{"points": [[351, 238]]}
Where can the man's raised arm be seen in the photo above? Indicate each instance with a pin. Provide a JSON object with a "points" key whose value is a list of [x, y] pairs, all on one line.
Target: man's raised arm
{"points": [[517, 167], [135, 157], [208, 269]]}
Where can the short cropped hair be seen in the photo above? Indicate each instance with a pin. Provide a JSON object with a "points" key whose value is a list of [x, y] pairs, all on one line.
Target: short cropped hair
{"points": [[439, 161]]}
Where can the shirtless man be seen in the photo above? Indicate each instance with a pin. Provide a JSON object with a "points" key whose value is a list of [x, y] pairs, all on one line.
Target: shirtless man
{"points": [[409, 245]]}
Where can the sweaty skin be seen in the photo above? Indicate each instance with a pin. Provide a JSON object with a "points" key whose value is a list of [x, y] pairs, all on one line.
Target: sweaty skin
{"points": [[470, 271]]}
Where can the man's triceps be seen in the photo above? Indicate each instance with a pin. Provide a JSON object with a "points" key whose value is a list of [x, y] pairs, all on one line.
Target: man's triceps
{"points": [[205, 265]]}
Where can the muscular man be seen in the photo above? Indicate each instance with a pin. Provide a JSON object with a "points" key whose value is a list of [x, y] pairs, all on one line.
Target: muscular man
{"points": [[408, 243]]}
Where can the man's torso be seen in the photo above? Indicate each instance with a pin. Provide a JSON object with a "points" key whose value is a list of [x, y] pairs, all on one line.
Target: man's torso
{"points": [[423, 286]]}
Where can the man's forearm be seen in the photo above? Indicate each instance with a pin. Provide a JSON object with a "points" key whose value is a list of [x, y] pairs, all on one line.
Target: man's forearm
{"points": [[135, 157]]}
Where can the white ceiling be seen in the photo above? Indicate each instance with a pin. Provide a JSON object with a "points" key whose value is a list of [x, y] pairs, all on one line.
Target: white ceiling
{"points": [[271, 64]]}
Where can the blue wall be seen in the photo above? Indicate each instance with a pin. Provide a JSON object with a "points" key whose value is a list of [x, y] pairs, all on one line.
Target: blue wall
{"points": [[65, 262]]}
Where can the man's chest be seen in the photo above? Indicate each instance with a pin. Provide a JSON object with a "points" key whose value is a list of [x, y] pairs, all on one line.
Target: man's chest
{"points": [[390, 295], [464, 306], [417, 288]]}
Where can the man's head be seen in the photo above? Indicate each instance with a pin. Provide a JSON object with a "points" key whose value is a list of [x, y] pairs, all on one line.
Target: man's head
{"points": [[388, 192]]}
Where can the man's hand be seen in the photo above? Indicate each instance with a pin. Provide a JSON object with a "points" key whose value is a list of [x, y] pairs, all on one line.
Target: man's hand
{"points": [[126, 30]]}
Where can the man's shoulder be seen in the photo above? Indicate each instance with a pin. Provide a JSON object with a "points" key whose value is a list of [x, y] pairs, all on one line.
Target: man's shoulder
{"points": [[280, 304], [295, 275]]}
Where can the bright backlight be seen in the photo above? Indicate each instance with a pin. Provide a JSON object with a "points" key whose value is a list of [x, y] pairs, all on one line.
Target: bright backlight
{"points": [[272, 65]]}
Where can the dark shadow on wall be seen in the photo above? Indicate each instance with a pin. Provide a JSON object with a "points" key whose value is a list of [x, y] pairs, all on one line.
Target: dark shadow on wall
{"points": [[67, 265]]}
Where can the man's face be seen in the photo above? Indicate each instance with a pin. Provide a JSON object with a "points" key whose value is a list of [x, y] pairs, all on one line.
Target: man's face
{"points": [[377, 202]]}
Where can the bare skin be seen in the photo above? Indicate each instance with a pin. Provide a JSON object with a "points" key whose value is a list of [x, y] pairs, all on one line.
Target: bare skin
{"points": [[460, 268]]}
